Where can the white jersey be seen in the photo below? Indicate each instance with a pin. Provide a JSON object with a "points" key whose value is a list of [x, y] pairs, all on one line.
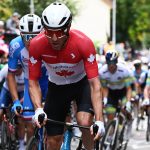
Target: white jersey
{"points": [[19, 79], [118, 80]]}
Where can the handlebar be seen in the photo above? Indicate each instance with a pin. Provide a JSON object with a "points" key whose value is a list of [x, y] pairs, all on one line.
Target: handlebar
{"points": [[95, 130], [41, 118], [67, 124], [18, 109]]}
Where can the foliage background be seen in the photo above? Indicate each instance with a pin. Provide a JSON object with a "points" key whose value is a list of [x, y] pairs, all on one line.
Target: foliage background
{"points": [[133, 22], [132, 17], [7, 7]]}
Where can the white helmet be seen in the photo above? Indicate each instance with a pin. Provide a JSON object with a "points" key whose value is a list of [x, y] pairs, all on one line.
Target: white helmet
{"points": [[56, 16], [137, 62], [30, 23]]}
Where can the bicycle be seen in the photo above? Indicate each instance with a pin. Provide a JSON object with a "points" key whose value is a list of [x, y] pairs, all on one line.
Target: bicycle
{"points": [[137, 112], [148, 123], [117, 132], [37, 141], [8, 129]]}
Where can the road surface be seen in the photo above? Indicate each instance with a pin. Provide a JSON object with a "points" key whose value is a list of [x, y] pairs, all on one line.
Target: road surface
{"points": [[137, 140]]}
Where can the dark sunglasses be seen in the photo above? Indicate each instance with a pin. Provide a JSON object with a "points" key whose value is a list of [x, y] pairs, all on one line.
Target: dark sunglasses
{"points": [[111, 62], [28, 37]]}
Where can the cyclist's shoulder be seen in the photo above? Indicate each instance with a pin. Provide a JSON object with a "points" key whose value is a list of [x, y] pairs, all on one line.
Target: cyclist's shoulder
{"points": [[103, 69], [16, 44], [123, 68], [40, 38], [38, 42]]}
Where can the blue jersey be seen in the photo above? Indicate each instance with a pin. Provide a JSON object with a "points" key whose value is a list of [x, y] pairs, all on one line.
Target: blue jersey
{"points": [[137, 75], [18, 52]]}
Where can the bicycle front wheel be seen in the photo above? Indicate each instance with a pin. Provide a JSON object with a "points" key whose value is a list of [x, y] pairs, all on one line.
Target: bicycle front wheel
{"points": [[109, 140], [4, 135], [148, 129]]}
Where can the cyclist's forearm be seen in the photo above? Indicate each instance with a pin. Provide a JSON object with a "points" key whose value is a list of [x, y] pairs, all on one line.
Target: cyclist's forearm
{"points": [[96, 95], [12, 85], [35, 93], [146, 92], [129, 93]]}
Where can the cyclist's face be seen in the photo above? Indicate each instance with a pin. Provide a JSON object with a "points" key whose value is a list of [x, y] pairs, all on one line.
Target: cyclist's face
{"points": [[112, 68], [57, 38], [27, 38]]}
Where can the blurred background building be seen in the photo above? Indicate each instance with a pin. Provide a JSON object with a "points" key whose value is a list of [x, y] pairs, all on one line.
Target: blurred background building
{"points": [[94, 19]]}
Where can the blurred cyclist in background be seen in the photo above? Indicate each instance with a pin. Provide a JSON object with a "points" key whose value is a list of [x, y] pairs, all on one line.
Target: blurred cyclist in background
{"points": [[116, 82], [5, 96], [12, 24]]}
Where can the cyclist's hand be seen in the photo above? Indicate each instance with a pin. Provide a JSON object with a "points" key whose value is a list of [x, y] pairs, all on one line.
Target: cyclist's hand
{"points": [[101, 130], [105, 101], [145, 102], [128, 106], [35, 120], [17, 106]]}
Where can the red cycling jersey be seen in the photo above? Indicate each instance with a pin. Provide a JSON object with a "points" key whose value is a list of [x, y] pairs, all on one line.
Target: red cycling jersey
{"points": [[65, 66]]}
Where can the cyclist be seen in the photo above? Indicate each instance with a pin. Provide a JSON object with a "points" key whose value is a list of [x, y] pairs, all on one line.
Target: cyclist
{"points": [[145, 79], [116, 79], [29, 25], [138, 87], [5, 97], [69, 56], [137, 72]]}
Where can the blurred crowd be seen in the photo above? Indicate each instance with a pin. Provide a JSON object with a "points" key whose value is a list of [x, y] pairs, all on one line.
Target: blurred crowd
{"points": [[8, 30]]}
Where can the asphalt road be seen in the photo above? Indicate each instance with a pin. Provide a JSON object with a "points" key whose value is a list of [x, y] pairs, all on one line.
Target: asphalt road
{"points": [[137, 139]]}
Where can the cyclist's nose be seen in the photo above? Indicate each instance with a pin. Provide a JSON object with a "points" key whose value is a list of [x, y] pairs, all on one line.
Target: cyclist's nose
{"points": [[54, 37]]}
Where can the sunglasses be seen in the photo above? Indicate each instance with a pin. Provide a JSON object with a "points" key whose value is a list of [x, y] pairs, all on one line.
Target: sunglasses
{"points": [[28, 37], [111, 62], [59, 33]]}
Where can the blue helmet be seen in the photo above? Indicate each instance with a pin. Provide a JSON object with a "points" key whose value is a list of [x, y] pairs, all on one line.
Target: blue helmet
{"points": [[111, 56]]}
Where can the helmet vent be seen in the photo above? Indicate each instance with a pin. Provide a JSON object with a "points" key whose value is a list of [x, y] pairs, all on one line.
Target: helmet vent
{"points": [[56, 3], [39, 27], [30, 26], [62, 20], [45, 18], [22, 27]]}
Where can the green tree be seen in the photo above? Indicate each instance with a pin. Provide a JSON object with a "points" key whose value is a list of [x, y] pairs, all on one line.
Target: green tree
{"points": [[7, 7], [133, 19], [5, 12]]}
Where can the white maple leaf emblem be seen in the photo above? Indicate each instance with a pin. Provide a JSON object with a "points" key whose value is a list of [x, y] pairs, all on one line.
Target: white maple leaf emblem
{"points": [[91, 58], [33, 61]]}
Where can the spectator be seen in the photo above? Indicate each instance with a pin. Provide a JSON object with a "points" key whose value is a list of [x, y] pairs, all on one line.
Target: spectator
{"points": [[12, 23], [2, 30]]}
